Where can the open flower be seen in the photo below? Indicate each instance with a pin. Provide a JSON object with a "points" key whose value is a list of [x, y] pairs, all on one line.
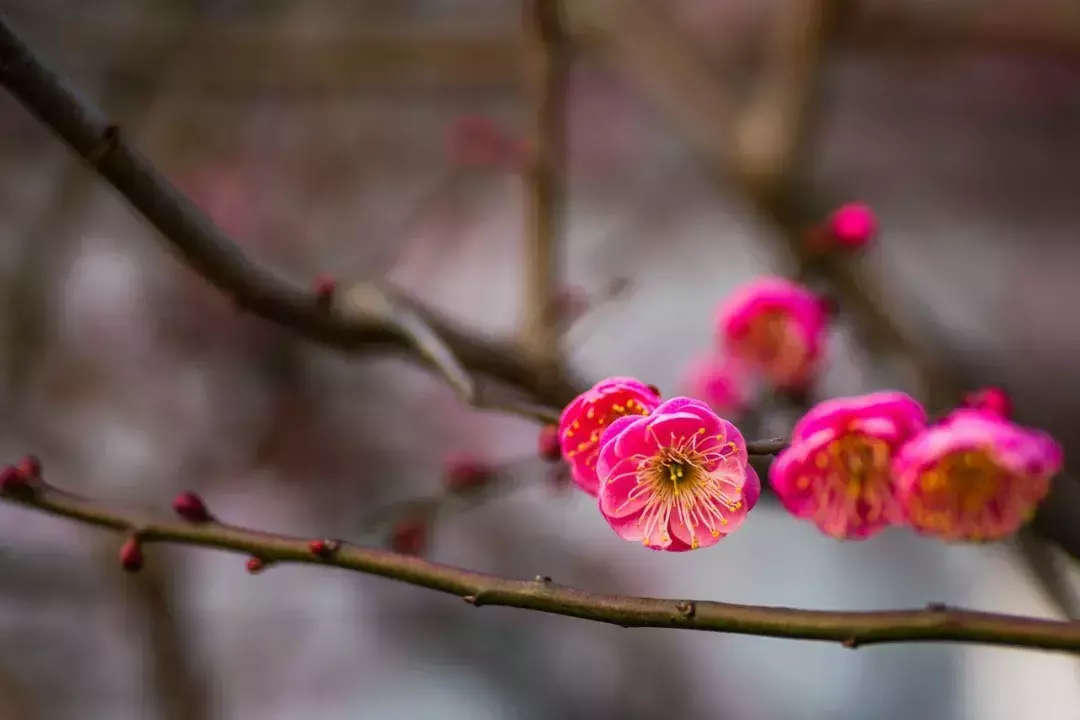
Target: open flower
{"points": [[676, 480], [975, 476], [776, 329], [722, 384], [585, 419], [837, 471]]}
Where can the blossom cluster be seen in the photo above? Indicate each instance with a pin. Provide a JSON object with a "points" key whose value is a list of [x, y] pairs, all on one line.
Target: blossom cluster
{"points": [[771, 332], [675, 475]]}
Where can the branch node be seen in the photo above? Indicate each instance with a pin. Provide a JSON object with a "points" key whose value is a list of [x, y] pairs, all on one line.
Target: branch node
{"points": [[687, 609], [850, 643], [109, 141], [325, 285], [470, 599], [937, 607], [542, 580]]}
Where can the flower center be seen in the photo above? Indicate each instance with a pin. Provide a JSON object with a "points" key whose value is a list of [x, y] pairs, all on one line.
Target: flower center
{"points": [[968, 480], [678, 484], [854, 482], [772, 342], [678, 472], [962, 496]]}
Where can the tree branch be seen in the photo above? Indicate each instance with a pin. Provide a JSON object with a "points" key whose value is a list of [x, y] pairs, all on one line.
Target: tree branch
{"points": [[546, 65], [935, 623], [208, 251]]}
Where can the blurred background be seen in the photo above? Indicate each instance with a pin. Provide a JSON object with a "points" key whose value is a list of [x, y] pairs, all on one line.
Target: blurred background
{"points": [[315, 133]]}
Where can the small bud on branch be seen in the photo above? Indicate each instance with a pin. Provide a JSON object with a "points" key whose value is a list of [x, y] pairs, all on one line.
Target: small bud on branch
{"points": [[548, 444], [30, 466], [191, 507], [131, 555]]}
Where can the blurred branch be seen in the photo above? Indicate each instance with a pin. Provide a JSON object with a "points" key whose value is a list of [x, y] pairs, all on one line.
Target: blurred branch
{"points": [[15, 701], [546, 62], [258, 59], [178, 682], [853, 629], [179, 692], [211, 253]]}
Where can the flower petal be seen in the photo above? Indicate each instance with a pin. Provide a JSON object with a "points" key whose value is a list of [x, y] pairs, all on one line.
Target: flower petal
{"points": [[620, 493]]}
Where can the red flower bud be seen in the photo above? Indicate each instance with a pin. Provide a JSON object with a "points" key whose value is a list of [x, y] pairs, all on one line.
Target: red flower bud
{"points": [[829, 305], [991, 399], [255, 565], [13, 480], [322, 548], [131, 555], [191, 507], [30, 466], [464, 473], [549, 443], [852, 226], [410, 536], [324, 289]]}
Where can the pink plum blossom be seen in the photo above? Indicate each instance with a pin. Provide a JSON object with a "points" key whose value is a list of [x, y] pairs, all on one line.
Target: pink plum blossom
{"points": [[676, 480], [837, 470], [585, 419], [852, 226], [775, 328], [721, 383], [975, 476]]}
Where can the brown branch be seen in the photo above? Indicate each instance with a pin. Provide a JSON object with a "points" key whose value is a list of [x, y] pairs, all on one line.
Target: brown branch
{"points": [[935, 623], [546, 63], [208, 251]]}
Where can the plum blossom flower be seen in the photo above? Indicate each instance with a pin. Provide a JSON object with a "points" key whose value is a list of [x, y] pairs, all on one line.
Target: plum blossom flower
{"points": [[837, 470], [975, 476], [676, 480], [775, 328], [721, 383], [589, 414], [852, 226]]}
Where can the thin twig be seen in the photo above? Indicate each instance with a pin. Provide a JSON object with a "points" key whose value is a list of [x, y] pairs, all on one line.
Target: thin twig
{"points": [[935, 623], [546, 65], [207, 250]]}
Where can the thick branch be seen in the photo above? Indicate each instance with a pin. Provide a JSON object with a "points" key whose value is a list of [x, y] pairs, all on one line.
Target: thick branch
{"points": [[208, 251], [936, 623]]}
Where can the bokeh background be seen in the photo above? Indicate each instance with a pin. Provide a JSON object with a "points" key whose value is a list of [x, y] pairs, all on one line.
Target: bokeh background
{"points": [[315, 133]]}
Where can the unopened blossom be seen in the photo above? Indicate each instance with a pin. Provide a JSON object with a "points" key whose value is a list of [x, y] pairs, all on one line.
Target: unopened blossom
{"points": [[975, 476], [585, 419], [475, 140], [852, 225], [837, 471], [775, 328], [676, 480], [721, 383], [993, 400]]}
